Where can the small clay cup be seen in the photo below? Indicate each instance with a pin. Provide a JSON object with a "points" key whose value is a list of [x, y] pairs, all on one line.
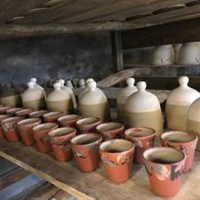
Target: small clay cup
{"points": [[25, 130], [38, 114], [60, 141], [10, 129], [85, 149], [24, 112], [143, 138], [2, 117], [182, 141], [68, 120], [52, 116], [40, 134], [117, 157], [110, 130], [164, 168], [87, 124], [3, 109], [11, 112]]}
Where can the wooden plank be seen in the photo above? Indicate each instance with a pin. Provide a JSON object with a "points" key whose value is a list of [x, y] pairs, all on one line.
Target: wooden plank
{"points": [[61, 195], [178, 32], [6, 166], [94, 185]]}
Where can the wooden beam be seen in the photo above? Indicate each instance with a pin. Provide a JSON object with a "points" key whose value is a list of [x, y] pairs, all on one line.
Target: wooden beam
{"points": [[178, 32]]}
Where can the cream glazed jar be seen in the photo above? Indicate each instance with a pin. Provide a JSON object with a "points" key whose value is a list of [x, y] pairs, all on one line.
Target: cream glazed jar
{"points": [[178, 103], [123, 96], [58, 100], [94, 104], [143, 109]]}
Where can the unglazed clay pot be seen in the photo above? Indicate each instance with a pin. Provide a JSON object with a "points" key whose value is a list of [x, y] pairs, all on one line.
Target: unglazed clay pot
{"points": [[25, 127], [52, 116], [40, 134], [3, 109], [117, 157], [58, 100], [87, 124], [11, 112], [24, 112], [122, 98], [85, 148], [110, 130], [68, 120], [178, 103], [10, 129], [164, 168], [181, 141], [143, 109], [143, 138], [60, 142], [33, 98], [163, 55], [38, 114], [2, 117], [94, 104]]}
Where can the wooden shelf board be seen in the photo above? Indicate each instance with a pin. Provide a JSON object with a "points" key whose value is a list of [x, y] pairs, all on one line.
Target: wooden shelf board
{"points": [[94, 185]]}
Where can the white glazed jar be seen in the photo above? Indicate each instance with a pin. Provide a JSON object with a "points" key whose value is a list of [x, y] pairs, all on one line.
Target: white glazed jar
{"points": [[163, 55], [143, 109], [123, 96], [58, 100], [178, 103], [94, 104]]}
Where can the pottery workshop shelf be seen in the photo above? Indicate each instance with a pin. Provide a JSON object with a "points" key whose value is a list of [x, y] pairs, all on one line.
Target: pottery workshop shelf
{"points": [[93, 185]]}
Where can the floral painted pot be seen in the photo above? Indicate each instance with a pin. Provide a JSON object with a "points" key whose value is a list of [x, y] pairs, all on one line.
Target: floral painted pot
{"points": [[68, 120], [24, 112], [2, 117], [52, 116]]}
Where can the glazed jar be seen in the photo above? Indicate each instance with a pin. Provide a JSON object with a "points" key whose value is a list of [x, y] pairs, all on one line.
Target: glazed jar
{"points": [[163, 55], [58, 100], [143, 109], [189, 54], [33, 98], [123, 96], [178, 103], [94, 103]]}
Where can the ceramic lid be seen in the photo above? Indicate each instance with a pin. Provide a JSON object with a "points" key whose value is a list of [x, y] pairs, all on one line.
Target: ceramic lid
{"points": [[127, 91], [183, 95], [65, 88], [69, 84], [37, 86], [194, 110], [142, 101]]}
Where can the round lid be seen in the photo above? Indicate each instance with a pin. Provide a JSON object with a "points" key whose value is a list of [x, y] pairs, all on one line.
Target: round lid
{"points": [[142, 101], [183, 95], [61, 81], [194, 111], [34, 80]]}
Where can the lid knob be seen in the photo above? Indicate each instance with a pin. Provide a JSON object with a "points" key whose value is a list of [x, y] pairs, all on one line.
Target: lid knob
{"points": [[57, 86], [89, 80], [61, 81], [183, 81], [141, 85], [34, 80], [130, 81], [92, 85], [30, 85]]}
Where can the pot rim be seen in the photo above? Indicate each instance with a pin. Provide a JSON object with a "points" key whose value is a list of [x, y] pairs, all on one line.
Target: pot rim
{"points": [[49, 124], [69, 130], [69, 118], [128, 132], [29, 121]]}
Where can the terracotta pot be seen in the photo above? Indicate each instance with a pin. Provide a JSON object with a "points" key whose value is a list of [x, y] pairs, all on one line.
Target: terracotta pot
{"points": [[2, 117], [25, 130], [40, 134], [164, 167], [52, 116], [24, 112], [3, 109], [38, 114], [143, 138], [87, 124], [85, 149], [117, 157], [68, 120], [60, 141], [10, 129], [110, 130], [11, 112], [182, 141]]}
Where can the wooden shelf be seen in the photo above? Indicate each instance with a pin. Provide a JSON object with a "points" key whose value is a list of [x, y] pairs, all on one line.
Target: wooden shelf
{"points": [[94, 185]]}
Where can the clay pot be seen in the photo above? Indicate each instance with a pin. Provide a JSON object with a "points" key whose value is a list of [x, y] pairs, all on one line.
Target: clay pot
{"points": [[11, 112], [38, 114], [164, 168], [143, 138], [143, 109], [122, 98], [110, 130], [117, 157], [60, 142], [178, 103], [87, 124], [40, 134], [3, 109], [24, 112], [25, 130], [2, 117], [184, 142], [52, 116], [10, 128], [68, 120], [85, 149]]}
